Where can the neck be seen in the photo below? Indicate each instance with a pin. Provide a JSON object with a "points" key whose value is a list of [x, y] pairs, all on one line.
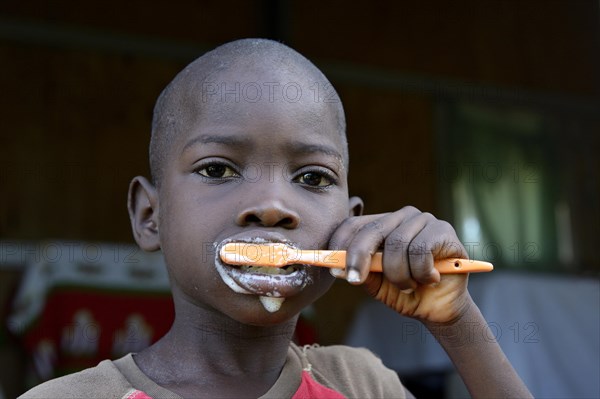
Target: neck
{"points": [[205, 342]]}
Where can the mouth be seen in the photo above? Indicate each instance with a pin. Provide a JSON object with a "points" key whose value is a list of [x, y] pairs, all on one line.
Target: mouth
{"points": [[275, 282]]}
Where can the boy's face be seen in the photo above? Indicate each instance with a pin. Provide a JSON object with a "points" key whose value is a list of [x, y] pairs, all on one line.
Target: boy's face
{"points": [[261, 160]]}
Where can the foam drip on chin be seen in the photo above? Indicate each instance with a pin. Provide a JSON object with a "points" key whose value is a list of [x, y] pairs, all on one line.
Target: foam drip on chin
{"points": [[271, 304]]}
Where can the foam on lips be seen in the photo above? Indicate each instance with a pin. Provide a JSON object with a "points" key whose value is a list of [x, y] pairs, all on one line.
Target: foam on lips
{"points": [[271, 284], [268, 270]]}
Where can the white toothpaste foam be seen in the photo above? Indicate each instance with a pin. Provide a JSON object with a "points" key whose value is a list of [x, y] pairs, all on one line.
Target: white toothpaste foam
{"points": [[224, 276], [271, 304]]}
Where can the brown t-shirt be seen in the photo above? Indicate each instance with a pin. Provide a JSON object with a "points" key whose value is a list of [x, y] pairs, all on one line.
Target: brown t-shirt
{"points": [[355, 373]]}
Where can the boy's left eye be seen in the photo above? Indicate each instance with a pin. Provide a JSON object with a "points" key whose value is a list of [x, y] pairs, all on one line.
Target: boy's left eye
{"points": [[314, 179]]}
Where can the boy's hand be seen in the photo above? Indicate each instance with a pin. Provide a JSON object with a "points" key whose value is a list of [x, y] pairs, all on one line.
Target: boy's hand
{"points": [[410, 284]]}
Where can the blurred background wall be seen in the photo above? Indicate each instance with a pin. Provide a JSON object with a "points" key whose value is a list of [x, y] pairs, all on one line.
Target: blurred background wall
{"points": [[465, 109]]}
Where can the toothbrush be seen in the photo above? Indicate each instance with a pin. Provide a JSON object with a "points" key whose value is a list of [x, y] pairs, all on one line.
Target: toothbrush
{"points": [[281, 255]]}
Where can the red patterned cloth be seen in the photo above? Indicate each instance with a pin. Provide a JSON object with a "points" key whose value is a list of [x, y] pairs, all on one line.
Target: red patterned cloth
{"points": [[136, 394], [311, 389], [80, 303], [308, 389], [80, 327]]}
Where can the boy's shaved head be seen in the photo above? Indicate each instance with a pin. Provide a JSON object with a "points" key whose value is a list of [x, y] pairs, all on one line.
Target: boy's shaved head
{"points": [[185, 98]]}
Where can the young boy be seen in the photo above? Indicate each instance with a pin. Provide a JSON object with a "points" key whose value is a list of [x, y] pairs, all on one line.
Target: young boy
{"points": [[248, 145]]}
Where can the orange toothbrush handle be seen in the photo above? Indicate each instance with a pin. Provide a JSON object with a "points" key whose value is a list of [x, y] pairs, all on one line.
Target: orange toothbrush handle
{"points": [[444, 266], [337, 259]]}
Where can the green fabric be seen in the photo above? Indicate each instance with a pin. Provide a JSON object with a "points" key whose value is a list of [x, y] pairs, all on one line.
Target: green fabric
{"points": [[502, 195]]}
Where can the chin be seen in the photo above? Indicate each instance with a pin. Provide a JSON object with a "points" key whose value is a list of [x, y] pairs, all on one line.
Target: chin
{"points": [[257, 314]]}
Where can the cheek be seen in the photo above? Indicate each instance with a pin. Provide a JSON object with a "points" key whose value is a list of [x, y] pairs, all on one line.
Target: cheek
{"points": [[325, 217], [323, 279], [186, 233], [321, 282], [191, 209]]}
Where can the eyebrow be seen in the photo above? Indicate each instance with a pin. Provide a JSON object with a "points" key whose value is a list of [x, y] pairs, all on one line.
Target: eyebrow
{"points": [[297, 147], [231, 141], [307, 148]]}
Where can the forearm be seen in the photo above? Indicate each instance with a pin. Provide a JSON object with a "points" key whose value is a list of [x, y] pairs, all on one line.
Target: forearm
{"points": [[478, 358]]}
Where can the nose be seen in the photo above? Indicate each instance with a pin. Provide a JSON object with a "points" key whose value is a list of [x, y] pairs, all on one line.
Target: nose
{"points": [[269, 213]]}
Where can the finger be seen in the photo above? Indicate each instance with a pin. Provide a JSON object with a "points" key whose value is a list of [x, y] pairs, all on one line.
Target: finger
{"points": [[437, 240], [397, 266], [346, 231], [420, 258], [343, 235], [367, 241], [441, 241], [449, 246], [338, 273]]}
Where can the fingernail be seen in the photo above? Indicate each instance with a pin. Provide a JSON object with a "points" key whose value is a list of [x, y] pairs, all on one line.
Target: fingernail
{"points": [[337, 273], [407, 291], [353, 276]]}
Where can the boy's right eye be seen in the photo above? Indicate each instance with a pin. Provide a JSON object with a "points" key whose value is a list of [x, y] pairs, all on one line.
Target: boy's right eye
{"points": [[216, 171]]}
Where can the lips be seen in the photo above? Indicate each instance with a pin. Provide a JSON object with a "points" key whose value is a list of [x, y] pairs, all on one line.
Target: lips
{"points": [[263, 281]]}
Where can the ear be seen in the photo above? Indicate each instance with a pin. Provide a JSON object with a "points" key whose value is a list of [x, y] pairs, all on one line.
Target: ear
{"points": [[355, 206], [142, 204]]}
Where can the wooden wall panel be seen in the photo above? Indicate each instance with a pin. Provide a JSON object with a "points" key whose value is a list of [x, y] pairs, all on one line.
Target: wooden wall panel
{"points": [[209, 21], [541, 44], [76, 130], [391, 149]]}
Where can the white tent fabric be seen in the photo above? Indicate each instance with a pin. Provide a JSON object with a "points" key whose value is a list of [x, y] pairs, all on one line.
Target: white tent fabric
{"points": [[548, 326]]}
